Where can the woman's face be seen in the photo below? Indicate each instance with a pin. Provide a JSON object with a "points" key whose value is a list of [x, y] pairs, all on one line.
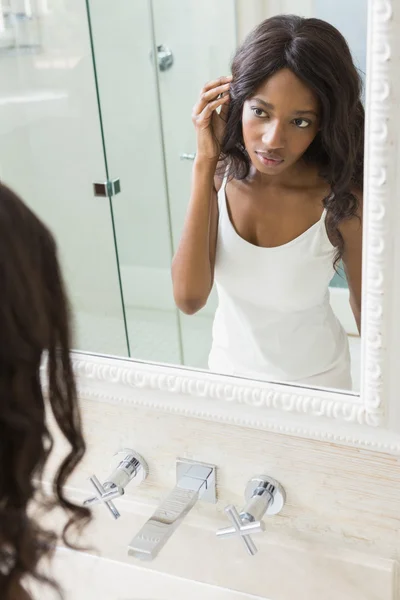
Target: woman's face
{"points": [[279, 122]]}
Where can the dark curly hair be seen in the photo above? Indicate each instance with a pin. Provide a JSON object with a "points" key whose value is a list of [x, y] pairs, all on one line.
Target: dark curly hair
{"points": [[318, 54], [34, 331]]}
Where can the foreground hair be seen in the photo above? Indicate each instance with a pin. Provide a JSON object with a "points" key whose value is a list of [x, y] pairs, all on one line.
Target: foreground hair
{"points": [[34, 324], [318, 54]]}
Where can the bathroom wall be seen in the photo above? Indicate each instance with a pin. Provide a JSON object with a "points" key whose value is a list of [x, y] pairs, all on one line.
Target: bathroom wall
{"points": [[250, 14], [351, 20], [337, 536]]}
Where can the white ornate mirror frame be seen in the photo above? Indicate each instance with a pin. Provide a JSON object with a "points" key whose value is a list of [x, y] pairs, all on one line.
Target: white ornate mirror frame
{"points": [[370, 419]]}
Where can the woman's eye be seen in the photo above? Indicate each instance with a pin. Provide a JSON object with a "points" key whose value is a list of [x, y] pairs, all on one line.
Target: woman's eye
{"points": [[258, 111], [305, 123], [300, 123]]}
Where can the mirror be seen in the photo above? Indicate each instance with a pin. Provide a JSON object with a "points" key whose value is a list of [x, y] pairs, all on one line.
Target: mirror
{"points": [[97, 137]]}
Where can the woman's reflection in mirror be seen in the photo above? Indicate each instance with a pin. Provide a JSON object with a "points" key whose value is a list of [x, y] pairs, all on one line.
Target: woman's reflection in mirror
{"points": [[276, 204]]}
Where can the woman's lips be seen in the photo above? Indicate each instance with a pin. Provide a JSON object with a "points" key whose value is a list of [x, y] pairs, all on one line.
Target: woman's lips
{"points": [[269, 162]]}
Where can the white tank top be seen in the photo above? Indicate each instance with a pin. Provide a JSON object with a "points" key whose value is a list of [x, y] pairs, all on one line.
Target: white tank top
{"points": [[274, 320]]}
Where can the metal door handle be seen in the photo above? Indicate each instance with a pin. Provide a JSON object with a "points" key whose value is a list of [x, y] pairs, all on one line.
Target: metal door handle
{"points": [[165, 58]]}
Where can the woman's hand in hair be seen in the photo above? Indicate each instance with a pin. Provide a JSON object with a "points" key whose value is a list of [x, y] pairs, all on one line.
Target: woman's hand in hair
{"points": [[210, 124]]}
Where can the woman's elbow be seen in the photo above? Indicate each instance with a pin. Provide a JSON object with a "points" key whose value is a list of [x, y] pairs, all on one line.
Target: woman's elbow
{"points": [[188, 301], [189, 305], [189, 296]]}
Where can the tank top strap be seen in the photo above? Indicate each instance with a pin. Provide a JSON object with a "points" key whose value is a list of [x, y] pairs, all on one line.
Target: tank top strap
{"points": [[324, 229], [225, 179]]}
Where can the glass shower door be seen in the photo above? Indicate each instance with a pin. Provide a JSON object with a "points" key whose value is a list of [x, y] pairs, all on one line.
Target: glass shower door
{"points": [[134, 146], [51, 152], [202, 36], [152, 57]]}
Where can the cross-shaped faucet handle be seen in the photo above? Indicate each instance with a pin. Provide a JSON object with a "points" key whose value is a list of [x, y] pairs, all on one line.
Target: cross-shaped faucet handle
{"points": [[242, 527], [106, 496], [264, 496], [127, 466]]}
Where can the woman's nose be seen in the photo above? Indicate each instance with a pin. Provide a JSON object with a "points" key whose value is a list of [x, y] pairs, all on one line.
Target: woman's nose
{"points": [[273, 136]]}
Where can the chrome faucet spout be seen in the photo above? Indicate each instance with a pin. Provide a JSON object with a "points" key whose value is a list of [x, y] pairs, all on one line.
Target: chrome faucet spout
{"points": [[194, 481]]}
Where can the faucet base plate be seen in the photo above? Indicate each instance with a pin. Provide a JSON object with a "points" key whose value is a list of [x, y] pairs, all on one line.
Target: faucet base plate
{"points": [[195, 469]]}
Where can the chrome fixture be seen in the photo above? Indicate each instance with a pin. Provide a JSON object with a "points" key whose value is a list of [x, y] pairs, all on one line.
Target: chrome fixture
{"points": [[127, 465], [195, 481], [107, 188], [264, 496], [165, 58]]}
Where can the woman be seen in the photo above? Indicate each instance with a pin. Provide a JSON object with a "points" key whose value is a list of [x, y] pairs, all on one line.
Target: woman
{"points": [[34, 323], [276, 204]]}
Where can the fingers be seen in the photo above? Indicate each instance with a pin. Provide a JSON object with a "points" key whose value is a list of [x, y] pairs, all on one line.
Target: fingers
{"points": [[214, 92], [216, 82], [210, 96], [211, 91], [203, 118], [225, 110]]}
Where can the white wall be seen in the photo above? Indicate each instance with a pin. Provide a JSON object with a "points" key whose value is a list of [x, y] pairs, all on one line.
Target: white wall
{"points": [[250, 14], [351, 20]]}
